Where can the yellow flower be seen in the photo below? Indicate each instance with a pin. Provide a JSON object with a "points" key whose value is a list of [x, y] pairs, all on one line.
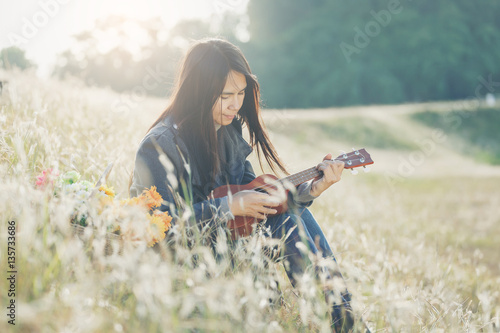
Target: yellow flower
{"points": [[159, 223], [105, 201], [131, 202], [107, 190]]}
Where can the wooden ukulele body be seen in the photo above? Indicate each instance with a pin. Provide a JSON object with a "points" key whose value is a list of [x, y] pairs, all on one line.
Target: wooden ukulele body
{"points": [[242, 226]]}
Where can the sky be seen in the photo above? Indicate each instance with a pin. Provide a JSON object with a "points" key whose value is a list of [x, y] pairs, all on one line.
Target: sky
{"points": [[43, 28]]}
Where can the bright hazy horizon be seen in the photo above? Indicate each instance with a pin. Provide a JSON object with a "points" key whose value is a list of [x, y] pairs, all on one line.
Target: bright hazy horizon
{"points": [[44, 28]]}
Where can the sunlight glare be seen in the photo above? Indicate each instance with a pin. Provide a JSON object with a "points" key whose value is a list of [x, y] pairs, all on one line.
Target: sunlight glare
{"points": [[130, 35]]}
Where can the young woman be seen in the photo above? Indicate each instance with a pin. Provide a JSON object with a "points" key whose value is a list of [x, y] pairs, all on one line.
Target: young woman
{"points": [[196, 145]]}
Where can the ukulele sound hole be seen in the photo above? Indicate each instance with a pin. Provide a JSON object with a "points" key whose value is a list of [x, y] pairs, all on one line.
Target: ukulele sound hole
{"points": [[261, 190]]}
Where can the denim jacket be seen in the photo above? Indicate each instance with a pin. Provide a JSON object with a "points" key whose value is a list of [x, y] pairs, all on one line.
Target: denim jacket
{"points": [[162, 160]]}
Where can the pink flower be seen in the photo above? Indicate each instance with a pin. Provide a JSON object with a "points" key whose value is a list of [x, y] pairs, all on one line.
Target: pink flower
{"points": [[47, 177]]}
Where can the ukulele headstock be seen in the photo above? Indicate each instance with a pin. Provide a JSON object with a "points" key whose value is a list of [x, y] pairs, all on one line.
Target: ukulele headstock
{"points": [[355, 159]]}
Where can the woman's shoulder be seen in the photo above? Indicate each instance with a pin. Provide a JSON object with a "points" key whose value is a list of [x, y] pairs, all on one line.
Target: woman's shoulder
{"points": [[164, 135], [165, 127], [163, 132]]}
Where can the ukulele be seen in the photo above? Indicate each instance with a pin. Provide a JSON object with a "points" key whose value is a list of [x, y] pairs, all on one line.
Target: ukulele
{"points": [[241, 226]]}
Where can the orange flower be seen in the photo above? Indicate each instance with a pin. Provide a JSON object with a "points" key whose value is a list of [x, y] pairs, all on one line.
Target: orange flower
{"points": [[148, 198], [159, 223], [152, 197], [166, 219]]}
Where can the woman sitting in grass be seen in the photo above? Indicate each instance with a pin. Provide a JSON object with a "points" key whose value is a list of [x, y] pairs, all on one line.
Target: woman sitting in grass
{"points": [[196, 145]]}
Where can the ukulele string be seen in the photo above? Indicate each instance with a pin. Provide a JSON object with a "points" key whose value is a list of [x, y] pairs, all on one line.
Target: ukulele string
{"points": [[310, 170]]}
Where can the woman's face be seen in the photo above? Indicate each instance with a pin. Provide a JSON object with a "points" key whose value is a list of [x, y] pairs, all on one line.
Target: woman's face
{"points": [[230, 101]]}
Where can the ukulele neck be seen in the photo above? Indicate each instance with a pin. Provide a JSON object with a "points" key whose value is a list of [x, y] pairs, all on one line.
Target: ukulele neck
{"points": [[301, 177], [354, 159]]}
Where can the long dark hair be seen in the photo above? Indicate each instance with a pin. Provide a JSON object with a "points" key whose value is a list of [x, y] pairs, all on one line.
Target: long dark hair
{"points": [[200, 83]]}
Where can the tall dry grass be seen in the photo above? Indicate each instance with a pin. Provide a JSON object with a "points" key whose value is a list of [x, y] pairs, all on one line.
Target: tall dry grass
{"points": [[418, 257]]}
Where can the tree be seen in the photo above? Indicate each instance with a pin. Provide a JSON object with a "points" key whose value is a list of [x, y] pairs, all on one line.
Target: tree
{"points": [[322, 53], [14, 57]]}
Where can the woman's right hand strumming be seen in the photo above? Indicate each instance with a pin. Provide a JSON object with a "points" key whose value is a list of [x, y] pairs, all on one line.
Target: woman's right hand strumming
{"points": [[254, 204]]}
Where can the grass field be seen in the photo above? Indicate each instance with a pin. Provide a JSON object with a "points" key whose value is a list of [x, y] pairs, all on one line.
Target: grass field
{"points": [[416, 238]]}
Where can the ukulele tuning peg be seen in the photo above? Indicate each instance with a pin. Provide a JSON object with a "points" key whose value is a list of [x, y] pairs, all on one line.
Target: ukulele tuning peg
{"points": [[355, 151], [354, 172], [366, 169]]}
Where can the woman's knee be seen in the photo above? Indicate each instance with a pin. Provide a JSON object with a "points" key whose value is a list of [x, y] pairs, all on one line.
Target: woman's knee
{"points": [[316, 233], [281, 223]]}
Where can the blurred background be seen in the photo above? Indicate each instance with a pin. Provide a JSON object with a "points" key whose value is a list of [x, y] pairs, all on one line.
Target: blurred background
{"points": [[305, 53], [415, 82]]}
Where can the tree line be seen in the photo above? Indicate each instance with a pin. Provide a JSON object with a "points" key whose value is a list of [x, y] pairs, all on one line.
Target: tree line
{"points": [[321, 53]]}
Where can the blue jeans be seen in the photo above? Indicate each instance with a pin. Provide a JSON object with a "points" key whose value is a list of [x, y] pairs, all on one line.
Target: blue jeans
{"points": [[306, 226]]}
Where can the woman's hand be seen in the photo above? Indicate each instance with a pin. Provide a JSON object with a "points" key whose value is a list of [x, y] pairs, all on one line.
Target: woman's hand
{"points": [[332, 172], [254, 204]]}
